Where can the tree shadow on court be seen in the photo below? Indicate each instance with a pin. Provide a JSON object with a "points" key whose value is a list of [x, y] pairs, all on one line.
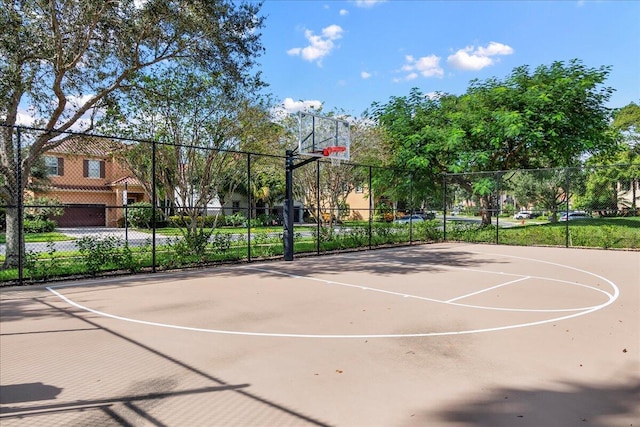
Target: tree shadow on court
{"points": [[571, 404], [32, 403], [26, 308], [28, 392], [378, 262]]}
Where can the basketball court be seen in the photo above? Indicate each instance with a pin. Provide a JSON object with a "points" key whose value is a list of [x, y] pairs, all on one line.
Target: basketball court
{"points": [[431, 335]]}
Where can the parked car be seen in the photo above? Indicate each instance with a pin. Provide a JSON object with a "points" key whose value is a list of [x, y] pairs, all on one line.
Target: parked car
{"points": [[574, 215], [523, 215], [409, 218], [429, 215]]}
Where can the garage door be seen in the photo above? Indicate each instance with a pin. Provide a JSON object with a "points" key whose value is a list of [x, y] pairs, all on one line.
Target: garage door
{"points": [[82, 216]]}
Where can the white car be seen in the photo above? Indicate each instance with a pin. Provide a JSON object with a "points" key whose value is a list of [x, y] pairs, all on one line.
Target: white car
{"points": [[574, 215], [523, 215], [409, 218]]}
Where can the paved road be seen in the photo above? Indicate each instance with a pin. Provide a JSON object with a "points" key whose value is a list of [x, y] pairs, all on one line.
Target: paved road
{"points": [[139, 238], [135, 238]]}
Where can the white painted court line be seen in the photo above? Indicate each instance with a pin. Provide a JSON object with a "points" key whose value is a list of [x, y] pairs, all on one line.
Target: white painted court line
{"points": [[404, 295], [488, 289], [323, 336], [580, 311]]}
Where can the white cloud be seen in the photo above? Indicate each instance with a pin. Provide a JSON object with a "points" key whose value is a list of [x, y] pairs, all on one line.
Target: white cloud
{"points": [[368, 3], [332, 32], [426, 66], [471, 58], [25, 118], [319, 45], [495, 48], [344, 12], [291, 106], [78, 101], [365, 75]]}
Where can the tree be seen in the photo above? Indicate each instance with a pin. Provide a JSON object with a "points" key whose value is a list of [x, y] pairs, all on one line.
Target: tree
{"points": [[546, 189], [617, 172], [198, 127], [416, 129], [550, 117], [626, 120], [76, 57]]}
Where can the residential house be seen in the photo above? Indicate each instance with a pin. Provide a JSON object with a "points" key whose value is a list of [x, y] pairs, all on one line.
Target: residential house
{"points": [[85, 177], [358, 201], [629, 194]]}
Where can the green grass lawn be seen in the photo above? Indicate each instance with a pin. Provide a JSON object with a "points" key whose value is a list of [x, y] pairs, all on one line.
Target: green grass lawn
{"points": [[605, 233], [52, 236], [266, 242]]}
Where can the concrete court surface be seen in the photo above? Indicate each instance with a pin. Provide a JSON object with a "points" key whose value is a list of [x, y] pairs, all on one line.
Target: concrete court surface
{"points": [[431, 335]]}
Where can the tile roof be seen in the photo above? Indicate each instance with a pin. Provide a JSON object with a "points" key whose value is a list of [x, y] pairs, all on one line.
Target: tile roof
{"points": [[78, 187], [129, 180], [88, 145]]}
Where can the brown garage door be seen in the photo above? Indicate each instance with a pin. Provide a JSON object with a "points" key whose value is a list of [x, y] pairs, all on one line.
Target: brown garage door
{"points": [[82, 216]]}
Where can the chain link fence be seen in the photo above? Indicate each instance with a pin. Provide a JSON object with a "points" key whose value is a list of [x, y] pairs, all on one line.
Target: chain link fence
{"points": [[93, 206], [595, 207]]}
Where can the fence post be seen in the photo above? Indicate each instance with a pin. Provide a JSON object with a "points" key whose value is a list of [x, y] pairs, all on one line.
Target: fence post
{"points": [[566, 194], [319, 211], [371, 206], [444, 207], [497, 209], [411, 208], [20, 206], [287, 211], [153, 206], [249, 210]]}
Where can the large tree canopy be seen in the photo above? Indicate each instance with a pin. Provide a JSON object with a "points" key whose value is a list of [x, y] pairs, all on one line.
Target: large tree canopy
{"points": [[64, 60], [550, 117]]}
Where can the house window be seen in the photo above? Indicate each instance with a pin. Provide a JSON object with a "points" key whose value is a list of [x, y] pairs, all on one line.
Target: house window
{"points": [[235, 206], [53, 165], [359, 189], [93, 169]]}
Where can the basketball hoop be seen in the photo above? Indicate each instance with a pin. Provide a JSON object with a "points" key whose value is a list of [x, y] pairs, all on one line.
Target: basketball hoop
{"points": [[330, 151], [324, 137]]}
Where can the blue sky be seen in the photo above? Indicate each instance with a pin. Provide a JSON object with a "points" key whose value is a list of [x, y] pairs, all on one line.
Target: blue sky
{"points": [[348, 54]]}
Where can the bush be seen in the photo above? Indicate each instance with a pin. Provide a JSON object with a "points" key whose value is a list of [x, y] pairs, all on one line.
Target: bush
{"points": [[39, 225], [140, 215], [263, 220], [184, 221], [99, 254], [235, 220]]}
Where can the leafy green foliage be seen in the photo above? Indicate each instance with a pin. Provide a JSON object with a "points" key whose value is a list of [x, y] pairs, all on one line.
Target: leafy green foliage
{"points": [[78, 57], [38, 225], [548, 117], [100, 253], [140, 214]]}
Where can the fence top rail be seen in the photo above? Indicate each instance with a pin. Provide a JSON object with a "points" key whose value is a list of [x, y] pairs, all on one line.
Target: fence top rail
{"points": [[149, 141], [578, 167]]}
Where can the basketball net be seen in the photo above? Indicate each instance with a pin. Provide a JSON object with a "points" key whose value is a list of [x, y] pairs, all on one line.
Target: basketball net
{"points": [[335, 161]]}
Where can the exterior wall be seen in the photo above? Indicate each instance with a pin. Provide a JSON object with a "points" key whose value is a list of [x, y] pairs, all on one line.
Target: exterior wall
{"points": [[73, 188], [358, 202], [627, 192]]}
